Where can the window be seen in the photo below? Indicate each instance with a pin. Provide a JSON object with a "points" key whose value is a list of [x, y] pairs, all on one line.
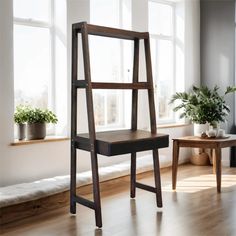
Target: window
{"points": [[162, 30], [33, 39], [111, 61], [40, 56]]}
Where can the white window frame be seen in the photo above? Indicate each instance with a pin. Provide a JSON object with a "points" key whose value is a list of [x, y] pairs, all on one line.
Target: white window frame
{"points": [[172, 38], [122, 118], [49, 25]]}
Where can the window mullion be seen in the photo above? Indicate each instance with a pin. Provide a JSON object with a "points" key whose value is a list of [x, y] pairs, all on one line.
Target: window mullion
{"points": [[161, 36], [30, 22], [157, 79], [52, 82], [105, 109], [164, 115], [174, 56]]}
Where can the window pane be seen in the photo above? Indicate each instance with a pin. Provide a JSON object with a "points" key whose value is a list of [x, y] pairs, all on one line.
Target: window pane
{"points": [[165, 60], [112, 108], [99, 108], [160, 19], [110, 60], [105, 12], [164, 77], [32, 9], [60, 15], [106, 67], [105, 55], [162, 51], [32, 65]]}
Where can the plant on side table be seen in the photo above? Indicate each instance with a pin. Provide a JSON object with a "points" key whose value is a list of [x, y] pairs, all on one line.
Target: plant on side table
{"points": [[203, 107], [20, 119], [36, 122]]}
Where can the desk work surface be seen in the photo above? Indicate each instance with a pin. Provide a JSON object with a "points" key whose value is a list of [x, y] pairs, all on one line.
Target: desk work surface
{"points": [[123, 141]]}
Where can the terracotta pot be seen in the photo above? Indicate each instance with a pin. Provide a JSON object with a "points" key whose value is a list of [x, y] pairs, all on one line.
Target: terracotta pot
{"points": [[36, 131], [21, 128]]}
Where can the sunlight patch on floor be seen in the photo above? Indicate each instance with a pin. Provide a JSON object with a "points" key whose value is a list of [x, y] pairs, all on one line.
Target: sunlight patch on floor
{"points": [[202, 182]]}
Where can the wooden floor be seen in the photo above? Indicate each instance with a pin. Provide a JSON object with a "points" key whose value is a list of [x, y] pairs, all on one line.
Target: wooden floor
{"points": [[194, 208]]}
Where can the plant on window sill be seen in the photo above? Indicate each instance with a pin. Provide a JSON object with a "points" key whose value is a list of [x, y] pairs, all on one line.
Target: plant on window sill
{"points": [[36, 120]]}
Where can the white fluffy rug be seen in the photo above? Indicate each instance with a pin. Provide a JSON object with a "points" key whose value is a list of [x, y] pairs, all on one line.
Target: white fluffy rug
{"points": [[24, 192]]}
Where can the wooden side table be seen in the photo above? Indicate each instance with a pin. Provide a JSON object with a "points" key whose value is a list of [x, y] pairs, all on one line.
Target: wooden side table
{"points": [[196, 142]]}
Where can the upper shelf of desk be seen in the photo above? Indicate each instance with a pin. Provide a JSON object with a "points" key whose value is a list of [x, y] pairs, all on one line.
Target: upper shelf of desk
{"points": [[110, 32]]}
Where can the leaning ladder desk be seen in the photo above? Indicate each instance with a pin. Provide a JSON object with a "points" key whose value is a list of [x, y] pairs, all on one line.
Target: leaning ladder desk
{"points": [[112, 143]]}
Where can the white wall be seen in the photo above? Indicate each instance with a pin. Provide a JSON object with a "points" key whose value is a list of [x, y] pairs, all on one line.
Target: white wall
{"points": [[6, 82], [21, 163], [27, 163], [192, 43]]}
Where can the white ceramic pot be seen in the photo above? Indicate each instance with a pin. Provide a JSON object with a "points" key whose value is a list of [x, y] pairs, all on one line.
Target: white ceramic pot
{"points": [[198, 129], [200, 156]]}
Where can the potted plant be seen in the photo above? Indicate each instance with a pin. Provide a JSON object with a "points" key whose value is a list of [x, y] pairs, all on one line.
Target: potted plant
{"points": [[36, 122], [20, 118], [203, 107]]}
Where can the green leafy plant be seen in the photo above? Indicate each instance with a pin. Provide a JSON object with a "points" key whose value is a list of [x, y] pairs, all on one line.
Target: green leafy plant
{"points": [[202, 105], [20, 115], [28, 114], [37, 115]]}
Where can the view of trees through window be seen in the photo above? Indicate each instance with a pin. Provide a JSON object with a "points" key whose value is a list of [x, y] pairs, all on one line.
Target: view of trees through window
{"points": [[33, 52], [111, 60], [35, 56], [40, 57]]}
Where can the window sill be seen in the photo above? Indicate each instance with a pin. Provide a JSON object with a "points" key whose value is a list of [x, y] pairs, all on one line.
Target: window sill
{"points": [[63, 138], [173, 125], [46, 140]]}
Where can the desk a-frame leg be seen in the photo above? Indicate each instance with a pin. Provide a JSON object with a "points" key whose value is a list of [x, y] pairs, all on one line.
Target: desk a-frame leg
{"points": [[91, 124]]}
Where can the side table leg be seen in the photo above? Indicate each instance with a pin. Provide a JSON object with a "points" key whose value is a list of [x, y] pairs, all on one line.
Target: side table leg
{"points": [[175, 163], [133, 175], [218, 168], [214, 161]]}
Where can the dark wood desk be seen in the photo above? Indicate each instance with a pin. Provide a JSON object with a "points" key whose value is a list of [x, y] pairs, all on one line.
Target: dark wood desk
{"points": [[196, 142]]}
